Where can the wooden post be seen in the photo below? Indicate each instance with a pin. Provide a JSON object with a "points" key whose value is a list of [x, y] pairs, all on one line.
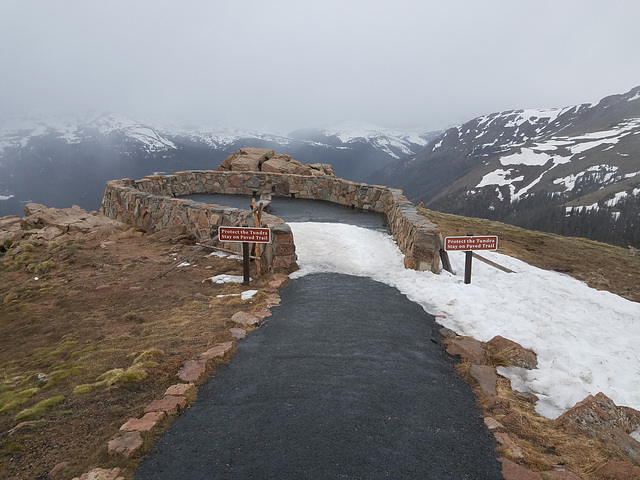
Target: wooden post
{"points": [[245, 262], [467, 264]]}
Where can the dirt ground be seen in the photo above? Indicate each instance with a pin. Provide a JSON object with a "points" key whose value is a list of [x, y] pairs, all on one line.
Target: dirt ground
{"points": [[100, 308], [97, 308]]}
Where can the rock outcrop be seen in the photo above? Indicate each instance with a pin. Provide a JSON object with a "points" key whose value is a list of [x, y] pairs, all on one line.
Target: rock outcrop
{"points": [[252, 159]]}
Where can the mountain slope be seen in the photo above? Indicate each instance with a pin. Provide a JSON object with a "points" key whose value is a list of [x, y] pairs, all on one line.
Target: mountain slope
{"points": [[524, 166], [64, 161]]}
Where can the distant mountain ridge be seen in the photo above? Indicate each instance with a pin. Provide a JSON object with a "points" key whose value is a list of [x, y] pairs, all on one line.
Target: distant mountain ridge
{"points": [[574, 170], [59, 161]]}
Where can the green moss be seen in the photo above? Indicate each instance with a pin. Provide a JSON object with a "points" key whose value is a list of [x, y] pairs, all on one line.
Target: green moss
{"points": [[39, 408], [12, 399], [109, 378], [84, 388], [130, 376], [56, 377], [154, 353]]}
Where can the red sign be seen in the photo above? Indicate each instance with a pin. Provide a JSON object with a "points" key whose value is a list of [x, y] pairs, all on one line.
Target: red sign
{"points": [[244, 234], [488, 242]]}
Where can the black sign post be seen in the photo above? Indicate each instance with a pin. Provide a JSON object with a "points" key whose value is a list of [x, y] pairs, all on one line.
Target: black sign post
{"points": [[468, 260], [245, 235], [468, 244]]}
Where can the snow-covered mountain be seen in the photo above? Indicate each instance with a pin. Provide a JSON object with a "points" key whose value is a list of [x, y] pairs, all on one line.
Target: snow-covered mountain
{"points": [[60, 161], [534, 167]]}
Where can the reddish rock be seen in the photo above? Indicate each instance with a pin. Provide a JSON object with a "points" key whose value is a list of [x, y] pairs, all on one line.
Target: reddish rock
{"points": [[181, 389], [597, 414], [192, 370], [143, 424], [169, 404], [469, 349], [218, 350], [513, 471], [101, 474], [492, 423], [238, 333], [446, 332], [617, 470], [505, 440], [486, 378], [263, 313], [244, 318], [562, 475], [279, 278], [125, 445], [516, 353]]}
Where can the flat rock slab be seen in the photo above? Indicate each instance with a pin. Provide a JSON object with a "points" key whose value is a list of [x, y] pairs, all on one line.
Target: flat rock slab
{"points": [[169, 404], [486, 378], [144, 424], [125, 444], [468, 349], [192, 370], [101, 474], [181, 389], [513, 471], [244, 318], [218, 350], [238, 333]]}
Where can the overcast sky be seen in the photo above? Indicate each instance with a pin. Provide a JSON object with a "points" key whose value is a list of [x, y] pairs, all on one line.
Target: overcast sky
{"points": [[278, 65]]}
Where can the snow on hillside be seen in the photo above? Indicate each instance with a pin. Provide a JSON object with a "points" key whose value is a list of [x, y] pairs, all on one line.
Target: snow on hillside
{"points": [[554, 151], [585, 340], [395, 143]]}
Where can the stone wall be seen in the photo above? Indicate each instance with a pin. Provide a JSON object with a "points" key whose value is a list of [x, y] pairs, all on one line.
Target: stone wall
{"points": [[151, 204]]}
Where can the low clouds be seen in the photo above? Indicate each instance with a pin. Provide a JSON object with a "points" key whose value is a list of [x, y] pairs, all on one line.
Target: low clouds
{"points": [[288, 64]]}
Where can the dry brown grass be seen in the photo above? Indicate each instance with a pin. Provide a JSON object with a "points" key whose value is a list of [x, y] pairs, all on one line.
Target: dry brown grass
{"points": [[97, 331]]}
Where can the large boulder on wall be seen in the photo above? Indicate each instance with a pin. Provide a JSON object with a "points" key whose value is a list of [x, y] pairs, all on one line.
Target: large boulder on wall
{"points": [[251, 159]]}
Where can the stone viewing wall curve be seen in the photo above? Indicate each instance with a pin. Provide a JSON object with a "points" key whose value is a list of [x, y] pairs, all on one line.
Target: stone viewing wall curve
{"points": [[153, 203]]}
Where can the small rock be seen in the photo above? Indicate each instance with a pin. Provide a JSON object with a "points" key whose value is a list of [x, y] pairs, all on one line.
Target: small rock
{"points": [[469, 349], [218, 350], [125, 445], [617, 470], [143, 424], [447, 333], [597, 414], [101, 474], [244, 318], [169, 404], [238, 333], [181, 389], [562, 475], [486, 378], [516, 353], [192, 370], [262, 314], [513, 471], [492, 423], [505, 440]]}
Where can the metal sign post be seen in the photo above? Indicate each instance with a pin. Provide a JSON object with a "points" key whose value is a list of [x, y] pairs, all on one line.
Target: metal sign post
{"points": [[245, 235], [468, 244]]}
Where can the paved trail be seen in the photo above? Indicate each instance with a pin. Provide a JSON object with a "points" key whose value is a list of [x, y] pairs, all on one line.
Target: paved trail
{"points": [[344, 381]]}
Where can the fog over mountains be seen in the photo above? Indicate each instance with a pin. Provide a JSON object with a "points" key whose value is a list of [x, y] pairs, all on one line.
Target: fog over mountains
{"points": [[66, 160], [572, 170]]}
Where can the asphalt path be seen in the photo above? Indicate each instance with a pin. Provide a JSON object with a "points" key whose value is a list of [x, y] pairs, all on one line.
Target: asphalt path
{"points": [[346, 380]]}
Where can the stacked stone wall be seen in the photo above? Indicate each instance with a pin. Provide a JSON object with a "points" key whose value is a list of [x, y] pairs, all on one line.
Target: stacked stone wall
{"points": [[151, 204]]}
